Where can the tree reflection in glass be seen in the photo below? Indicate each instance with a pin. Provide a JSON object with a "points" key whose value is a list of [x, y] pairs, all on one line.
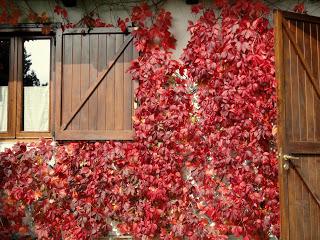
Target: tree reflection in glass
{"points": [[4, 82], [36, 75]]}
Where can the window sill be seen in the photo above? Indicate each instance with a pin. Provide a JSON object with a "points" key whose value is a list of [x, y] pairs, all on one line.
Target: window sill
{"points": [[26, 140]]}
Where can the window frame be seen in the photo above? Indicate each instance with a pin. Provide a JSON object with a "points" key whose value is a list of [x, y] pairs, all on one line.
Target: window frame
{"points": [[11, 113], [17, 35]]}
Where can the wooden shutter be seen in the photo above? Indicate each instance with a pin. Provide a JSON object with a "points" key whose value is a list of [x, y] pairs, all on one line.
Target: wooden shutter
{"points": [[94, 93], [297, 50]]}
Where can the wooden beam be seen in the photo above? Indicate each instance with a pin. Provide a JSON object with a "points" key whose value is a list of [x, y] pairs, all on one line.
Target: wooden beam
{"points": [[281, 140], [300, 17], [96, 135], [99, 30]]}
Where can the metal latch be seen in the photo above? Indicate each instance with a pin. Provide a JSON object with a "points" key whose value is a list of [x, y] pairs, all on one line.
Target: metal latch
{"points": [[287, 159]]}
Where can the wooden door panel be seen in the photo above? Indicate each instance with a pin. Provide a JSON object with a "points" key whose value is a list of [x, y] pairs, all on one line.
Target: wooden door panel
{"points": [[298, 73], [304, 214], [302, 125]]}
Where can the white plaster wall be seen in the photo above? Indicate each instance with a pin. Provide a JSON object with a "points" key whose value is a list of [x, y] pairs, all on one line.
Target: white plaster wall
{"points": [[4, 145], [181, 13]]}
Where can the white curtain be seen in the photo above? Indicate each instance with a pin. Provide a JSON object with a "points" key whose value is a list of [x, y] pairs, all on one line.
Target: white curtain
{"points": [[36, 108], [3, 108]]}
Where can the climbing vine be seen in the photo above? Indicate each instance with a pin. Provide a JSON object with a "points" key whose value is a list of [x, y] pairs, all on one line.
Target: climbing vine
{"points": [[14, 12], [232, 63], [203, 163]]}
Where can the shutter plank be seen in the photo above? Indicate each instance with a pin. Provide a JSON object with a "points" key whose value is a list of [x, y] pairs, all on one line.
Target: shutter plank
{"points": [[127, 89], [93, 100], [102, 89], [119, 111], [76, 58], [67, 77], [110, 111], [85, 76]]}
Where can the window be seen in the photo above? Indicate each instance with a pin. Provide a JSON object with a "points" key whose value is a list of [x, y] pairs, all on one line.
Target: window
{"points": [[25, 70], [93, 92]]}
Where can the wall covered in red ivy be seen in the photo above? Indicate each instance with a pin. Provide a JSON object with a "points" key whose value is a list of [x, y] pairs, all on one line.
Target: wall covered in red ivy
{"points": [[203, 163]]}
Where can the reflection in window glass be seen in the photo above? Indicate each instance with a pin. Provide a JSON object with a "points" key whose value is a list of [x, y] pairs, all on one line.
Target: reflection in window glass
{"points": [[36, 75], [4, 81]]}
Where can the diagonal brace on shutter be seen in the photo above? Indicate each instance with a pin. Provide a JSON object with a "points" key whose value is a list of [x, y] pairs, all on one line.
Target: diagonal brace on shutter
{"points": [[301, 176], [301, 57], [101, 76]]}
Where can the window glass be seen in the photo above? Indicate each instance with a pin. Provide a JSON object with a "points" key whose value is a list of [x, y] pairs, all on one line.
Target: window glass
{"points": [[36, 75], [4, 81]]}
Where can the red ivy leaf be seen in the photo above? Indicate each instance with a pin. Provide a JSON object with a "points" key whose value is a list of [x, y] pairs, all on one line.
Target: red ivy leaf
{"points": [[60, 11], [299, 8], [197, 8], [122, 25], [221, 3], [140, 13]]}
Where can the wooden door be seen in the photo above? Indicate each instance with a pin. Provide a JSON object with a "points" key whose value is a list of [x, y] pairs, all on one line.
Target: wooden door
{"points": [[94, 92], [297, 51]]}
